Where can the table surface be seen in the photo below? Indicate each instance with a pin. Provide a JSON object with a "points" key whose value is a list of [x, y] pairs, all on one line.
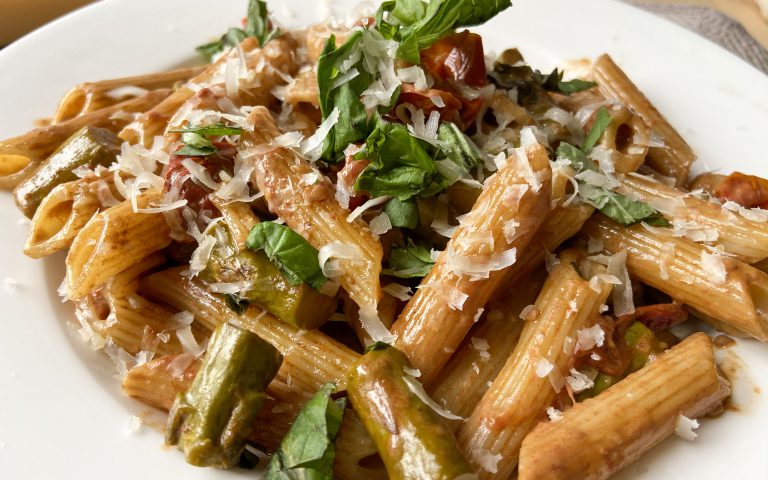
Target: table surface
{"points": [[22, 16]]}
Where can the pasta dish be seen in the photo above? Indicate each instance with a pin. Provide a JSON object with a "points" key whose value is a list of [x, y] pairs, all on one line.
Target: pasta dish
{"points": [[373, 250]]}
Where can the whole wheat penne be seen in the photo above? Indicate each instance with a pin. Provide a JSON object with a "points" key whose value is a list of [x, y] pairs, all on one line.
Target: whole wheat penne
{"points": [[356, 454], [317, 35], [133, 323], [311, 358], [600, 436], [702, 220], [20, 156], [674, 157], [112, 241], [159, 381], [65, 211], [238, 217], [90, 96], [485, 350], [268, 65], [312, 210], [303, 89], [534, 373], [438, 317], [730, 294], [627, 138]]}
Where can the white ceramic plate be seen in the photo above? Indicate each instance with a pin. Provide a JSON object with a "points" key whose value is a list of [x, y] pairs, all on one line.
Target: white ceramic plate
{"points": [[62, 413]]}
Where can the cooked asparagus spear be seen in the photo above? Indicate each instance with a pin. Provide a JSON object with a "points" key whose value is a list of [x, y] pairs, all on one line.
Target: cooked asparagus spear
{"points": [[299, 305], [412, 442], [211, 421], [89, 146]]}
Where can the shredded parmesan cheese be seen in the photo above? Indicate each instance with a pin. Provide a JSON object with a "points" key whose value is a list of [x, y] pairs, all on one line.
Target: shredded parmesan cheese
{"points": [[684, 428]]}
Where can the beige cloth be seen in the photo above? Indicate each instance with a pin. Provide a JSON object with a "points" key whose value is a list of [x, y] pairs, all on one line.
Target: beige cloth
{"points": [[714, 26]]}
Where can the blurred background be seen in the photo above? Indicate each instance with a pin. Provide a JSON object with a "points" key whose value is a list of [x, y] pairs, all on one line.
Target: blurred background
{"points": [[18, 17]]}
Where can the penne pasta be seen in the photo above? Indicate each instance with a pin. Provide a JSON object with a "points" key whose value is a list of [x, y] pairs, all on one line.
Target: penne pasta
{"points": [[312, 210], [534, 373], [20, 156], [239, 219], [303, 89], [626, 138], [485, 350], [91, 96], [269, 66], [112, 241], [65, 211], [133, 323], [672, 157], [701, 220], [730, 294], [438, 317], [600, 436]]}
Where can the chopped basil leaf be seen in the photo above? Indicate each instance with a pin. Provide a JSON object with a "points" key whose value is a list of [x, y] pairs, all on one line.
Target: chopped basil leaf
{"points": [[215, 130], [236, 304], [289, 251], [258, 24], [575, 85], [554, 82], [402, 213], [618, 207], [233, 37], [353, 124], [602, 120], [411, 261], [195, 145], [307, 450], [401, 166], [416, 27], [578, 159], [458, 147]]}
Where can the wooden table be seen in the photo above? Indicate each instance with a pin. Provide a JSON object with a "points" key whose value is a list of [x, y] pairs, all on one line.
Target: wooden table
{"points": [[753, 14], [22, 16]]}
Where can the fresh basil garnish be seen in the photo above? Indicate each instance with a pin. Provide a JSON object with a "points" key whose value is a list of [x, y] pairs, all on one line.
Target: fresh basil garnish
{"points": [[257, 25], [602, 120], [554, 82], [416, 27], [458, 148], [196, 143], [289, 251], [307, 450], [402, 213], [353, 124], [411, 261]]}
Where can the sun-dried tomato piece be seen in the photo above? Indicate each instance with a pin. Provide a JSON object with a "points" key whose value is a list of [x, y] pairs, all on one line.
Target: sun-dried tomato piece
{"points": [[747, 190]]}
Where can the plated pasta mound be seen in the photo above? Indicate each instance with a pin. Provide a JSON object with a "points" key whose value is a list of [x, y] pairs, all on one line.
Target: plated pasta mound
{"points": [[372, 251]]}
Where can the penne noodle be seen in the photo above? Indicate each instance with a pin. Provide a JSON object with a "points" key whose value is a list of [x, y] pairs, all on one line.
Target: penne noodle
{"points": [[673, 157], [356, 455], [485, 350], [316, 37], [238, 217], [112, 241], [438, 317], [133, 323], [269, 65], [702, 220], [731, 295], [534, 373], [91, 96], [600, 436], [311, 358], [312, 210], [20, 156], [303, 89], [65, 211], [627, 138]]}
